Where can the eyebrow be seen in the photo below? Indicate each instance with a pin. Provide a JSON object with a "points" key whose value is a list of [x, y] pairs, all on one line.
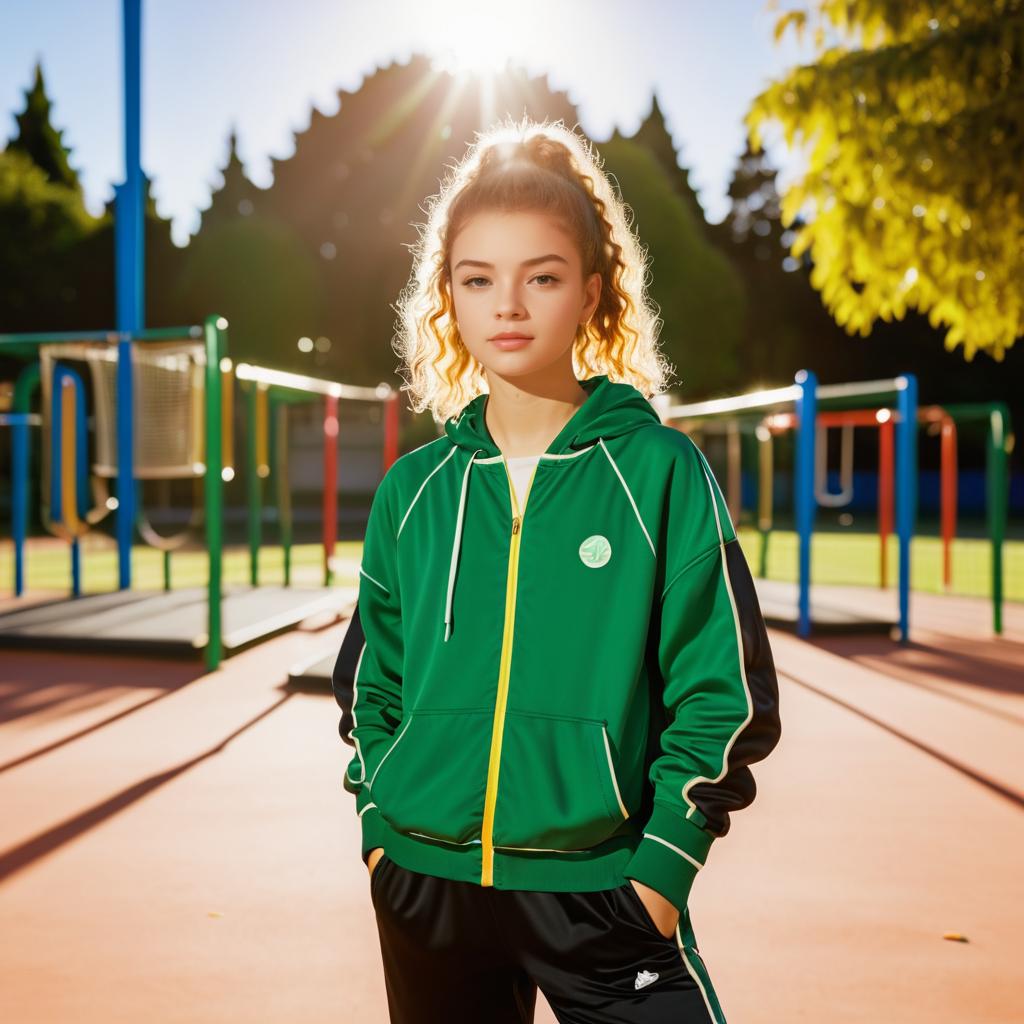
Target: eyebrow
{"points": [[525, 263]]}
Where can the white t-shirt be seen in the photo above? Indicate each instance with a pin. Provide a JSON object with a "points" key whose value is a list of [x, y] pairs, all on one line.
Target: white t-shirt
{"points": [[520, 469]]}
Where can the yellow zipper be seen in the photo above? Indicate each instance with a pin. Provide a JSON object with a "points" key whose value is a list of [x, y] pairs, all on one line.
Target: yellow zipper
{"points": [[505, 663]]}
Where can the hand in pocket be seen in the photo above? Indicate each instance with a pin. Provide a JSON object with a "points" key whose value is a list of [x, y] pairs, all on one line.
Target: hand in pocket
{"points": [[663, 913], [375, 855]]}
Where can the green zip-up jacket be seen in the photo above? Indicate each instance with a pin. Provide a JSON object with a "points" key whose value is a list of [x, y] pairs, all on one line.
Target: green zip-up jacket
{"points": [[565, 698]]}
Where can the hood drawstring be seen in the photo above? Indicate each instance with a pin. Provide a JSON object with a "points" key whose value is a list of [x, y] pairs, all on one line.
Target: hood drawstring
{"points": [[456, 545], [612, 409]]}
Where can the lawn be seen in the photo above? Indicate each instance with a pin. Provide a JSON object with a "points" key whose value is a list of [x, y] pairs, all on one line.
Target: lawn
{"points": [[850, 558]]}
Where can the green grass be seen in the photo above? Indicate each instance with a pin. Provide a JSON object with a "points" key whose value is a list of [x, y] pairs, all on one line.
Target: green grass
{"points": [[49, 568], [849, 558], [854, 558]]}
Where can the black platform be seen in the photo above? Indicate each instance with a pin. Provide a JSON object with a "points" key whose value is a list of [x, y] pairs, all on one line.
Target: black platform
{"points": [[834, 609], [168, 623], [314, 673]]}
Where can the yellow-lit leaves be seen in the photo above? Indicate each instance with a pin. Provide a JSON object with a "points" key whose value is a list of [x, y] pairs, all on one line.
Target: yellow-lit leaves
{"points": [[912, 125]]}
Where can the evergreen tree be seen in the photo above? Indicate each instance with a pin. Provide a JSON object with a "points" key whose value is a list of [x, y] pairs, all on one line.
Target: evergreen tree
{"points": [[40, 141], [654, 136], [236, 197], [699, 295]]}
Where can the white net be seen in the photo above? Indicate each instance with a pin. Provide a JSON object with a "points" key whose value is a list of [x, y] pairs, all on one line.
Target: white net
{"points": [[169, 409]]}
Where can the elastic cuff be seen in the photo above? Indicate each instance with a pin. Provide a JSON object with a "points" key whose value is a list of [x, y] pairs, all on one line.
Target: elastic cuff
{"points": [[374, 831], [672, 851]]}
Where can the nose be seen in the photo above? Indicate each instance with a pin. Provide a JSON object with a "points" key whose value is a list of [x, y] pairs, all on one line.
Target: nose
{"points": [[510, 305]]}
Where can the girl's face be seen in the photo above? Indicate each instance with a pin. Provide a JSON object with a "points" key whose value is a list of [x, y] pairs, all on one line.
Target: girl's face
{"points": [[519, 273]]}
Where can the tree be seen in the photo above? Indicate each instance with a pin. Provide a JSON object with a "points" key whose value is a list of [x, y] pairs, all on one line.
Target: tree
{"points": [[654, 136], [699, 295], [914, 126], [40, 141], [236, 197], [41, 224]]}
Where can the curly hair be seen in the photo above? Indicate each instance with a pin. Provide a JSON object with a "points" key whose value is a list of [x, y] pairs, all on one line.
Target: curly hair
{"points": [[543, 167]]}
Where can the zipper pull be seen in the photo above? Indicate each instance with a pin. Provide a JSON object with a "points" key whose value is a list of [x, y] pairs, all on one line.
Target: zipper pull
{"points": [[515, 525]]}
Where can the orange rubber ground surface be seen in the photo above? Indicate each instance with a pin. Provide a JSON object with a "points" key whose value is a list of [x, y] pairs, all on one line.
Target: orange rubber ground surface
{"points": [[178, 847]]}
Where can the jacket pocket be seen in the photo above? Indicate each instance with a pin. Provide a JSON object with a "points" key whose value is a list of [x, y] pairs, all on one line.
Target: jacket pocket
{"points": [[431, 780], [557, 787]]}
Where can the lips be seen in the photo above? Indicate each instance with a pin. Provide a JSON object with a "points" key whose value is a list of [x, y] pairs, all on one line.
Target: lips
{"points": [[508, 343]]}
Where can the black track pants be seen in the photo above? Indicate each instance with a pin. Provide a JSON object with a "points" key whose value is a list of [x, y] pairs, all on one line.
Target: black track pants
{"points": [[462, 953]]}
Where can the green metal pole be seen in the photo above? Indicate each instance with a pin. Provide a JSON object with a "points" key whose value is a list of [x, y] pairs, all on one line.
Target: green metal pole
{"points": [[279, 475], [998, 493], [215, 335], [253, 485]]}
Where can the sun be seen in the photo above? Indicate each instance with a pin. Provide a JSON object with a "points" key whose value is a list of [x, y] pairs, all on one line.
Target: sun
{"points": [[473, 41], [466, 61]]}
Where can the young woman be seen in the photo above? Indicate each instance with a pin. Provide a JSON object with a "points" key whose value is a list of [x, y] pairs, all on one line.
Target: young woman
{"points": [[559, 669]]}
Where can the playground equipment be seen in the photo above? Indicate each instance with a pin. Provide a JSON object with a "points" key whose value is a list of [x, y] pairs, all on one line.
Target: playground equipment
{"points": [[936, 419], [269, 395], [994, 419], [812, 408], [179, 410]]}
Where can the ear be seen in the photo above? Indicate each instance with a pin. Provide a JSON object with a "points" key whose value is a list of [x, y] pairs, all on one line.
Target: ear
{"points": [[592, 296]]}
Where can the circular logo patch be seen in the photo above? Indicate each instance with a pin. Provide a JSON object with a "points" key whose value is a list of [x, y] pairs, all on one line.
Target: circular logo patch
{"points": [[595, 551]]}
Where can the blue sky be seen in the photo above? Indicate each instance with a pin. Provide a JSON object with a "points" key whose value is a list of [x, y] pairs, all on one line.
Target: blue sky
{"points": [[262, 64]]}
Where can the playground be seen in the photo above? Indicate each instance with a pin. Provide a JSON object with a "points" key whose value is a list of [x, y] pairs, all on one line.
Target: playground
{"points": [[178, 845]]}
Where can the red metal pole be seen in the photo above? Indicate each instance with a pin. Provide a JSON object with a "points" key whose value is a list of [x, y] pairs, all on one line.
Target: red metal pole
{"points": [[330, 510], [391, 424]]}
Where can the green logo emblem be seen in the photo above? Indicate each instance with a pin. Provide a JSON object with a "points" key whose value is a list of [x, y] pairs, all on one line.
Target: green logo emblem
{"points": [[595, 551]]}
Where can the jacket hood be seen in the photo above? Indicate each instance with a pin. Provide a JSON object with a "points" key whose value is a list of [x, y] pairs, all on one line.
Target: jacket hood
{"points": [[610, 410]]}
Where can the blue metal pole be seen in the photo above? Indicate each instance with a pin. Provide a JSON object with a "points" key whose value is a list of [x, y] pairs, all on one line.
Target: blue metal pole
{"points": [[906, 490], [130, 264], [803, 493]]}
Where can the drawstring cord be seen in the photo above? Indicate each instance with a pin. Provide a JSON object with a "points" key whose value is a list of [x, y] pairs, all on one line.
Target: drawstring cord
{"points": [[456, 545]]}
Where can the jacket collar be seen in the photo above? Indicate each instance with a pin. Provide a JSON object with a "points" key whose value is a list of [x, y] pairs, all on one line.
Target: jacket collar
{"points": [[611, 409]]}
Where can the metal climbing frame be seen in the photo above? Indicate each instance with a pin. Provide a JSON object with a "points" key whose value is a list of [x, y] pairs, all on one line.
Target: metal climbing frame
{"points": [[213, 335], [805, 397]]}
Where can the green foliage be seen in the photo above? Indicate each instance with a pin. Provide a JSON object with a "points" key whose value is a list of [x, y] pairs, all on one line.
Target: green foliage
{"points": [[40, 224], [258, 274], [913, 129], [40, 141], [699, 293]]}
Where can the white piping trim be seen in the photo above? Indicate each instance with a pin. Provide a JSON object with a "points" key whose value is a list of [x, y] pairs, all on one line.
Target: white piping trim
{"points": [[611, 772], [355, 702], [422, 485], [385, 757], [550, 456], [363, 572], [447, 842], [629, 494], [682, 853], [739, 648], [693, 974]]}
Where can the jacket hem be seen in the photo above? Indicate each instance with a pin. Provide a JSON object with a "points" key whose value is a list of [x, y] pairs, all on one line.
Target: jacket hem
{"points": [[598, 867]]}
